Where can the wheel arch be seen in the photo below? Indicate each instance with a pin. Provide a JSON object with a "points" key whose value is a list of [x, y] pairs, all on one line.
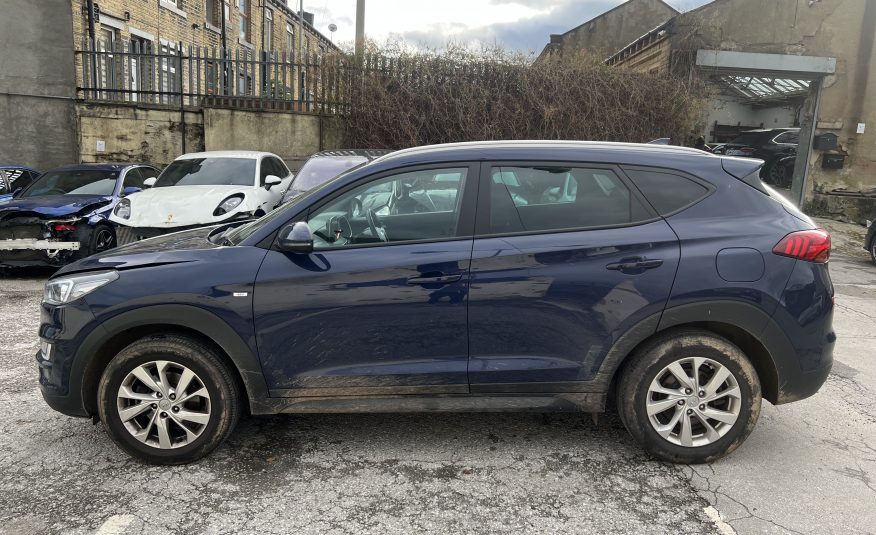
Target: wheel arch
{"points": [[737, 322], [116, 333]]}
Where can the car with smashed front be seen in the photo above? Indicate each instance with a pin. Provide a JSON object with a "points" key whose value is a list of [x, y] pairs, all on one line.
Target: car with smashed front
{"points": [[62, 215], [14, 178], [526, 276], [203, 188]]}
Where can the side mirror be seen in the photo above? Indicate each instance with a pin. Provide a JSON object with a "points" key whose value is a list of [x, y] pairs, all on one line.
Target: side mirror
{"points": [[149, 182], [129, 190], [296, 238], [272, 180]]}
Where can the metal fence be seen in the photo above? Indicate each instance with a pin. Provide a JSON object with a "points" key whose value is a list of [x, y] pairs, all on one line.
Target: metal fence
{"points": [[175, 75]]}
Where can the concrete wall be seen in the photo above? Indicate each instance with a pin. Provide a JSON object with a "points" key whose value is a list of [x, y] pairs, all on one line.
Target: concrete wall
{"points": [[131, 134], [614, 29], [729, 110], [291, 136], [37, 84], [843, 29]]}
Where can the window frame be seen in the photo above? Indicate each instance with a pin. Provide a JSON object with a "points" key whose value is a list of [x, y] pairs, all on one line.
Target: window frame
{"points": [[244, 26], [483, 227], [669, 171], [465, 224], [268, 30]]}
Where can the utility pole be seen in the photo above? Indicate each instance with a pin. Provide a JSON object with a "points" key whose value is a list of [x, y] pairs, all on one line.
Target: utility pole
{"points": [[360, 28]]}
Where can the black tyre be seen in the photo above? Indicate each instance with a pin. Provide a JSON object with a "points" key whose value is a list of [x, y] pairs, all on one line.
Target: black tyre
{"points": [[168, 399], [103, 238], [689, 396], [873, 249]]}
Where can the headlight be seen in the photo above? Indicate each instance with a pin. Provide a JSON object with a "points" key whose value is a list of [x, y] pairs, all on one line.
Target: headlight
{"points": [[67, 289], [123, 209], [228, 205]]}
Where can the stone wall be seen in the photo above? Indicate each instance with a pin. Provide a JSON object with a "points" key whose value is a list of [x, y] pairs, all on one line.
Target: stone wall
{"points": [[132, 134], [843, 29], [128, 133], [614, 29]]}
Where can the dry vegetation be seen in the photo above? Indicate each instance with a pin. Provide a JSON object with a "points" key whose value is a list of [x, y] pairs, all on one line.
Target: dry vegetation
{"points": [[405, 99]]}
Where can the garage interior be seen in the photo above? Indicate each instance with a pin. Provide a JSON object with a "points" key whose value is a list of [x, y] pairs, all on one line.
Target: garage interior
{"points": [[754, 91]]}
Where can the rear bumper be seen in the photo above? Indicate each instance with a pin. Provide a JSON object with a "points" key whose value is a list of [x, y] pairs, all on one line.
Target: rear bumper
{"points": [[804, 385]]}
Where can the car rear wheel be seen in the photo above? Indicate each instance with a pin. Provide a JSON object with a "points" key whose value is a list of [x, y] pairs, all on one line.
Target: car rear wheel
{"points": [[168, 400], [689, 396], [873, 249]]}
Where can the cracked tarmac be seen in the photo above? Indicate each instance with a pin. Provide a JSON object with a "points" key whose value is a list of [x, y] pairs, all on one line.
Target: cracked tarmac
{"points": [[808, 467]]}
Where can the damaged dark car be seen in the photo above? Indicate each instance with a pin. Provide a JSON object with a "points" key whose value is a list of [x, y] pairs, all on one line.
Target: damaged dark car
{"points": [[61, 217]]}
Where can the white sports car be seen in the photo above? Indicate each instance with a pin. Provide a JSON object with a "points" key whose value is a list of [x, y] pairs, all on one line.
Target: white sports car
{"points": [[203, 188]]}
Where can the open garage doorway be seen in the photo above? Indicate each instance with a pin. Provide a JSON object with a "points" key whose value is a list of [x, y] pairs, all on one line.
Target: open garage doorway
{"points": [[765, 106]]}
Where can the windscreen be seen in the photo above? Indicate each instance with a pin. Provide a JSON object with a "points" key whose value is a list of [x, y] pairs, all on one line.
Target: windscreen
{"points": [[82, 182], [317, 171], [208, 172]]}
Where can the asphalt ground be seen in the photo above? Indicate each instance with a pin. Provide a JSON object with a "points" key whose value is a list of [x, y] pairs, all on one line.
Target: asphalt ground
{"points": [[808, 467]]}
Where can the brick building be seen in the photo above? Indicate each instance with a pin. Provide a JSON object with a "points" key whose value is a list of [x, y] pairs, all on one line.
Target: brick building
{"points": [[249, 24], [252, 27]]}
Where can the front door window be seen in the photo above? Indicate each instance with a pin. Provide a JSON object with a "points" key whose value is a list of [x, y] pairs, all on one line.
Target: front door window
{"points": [[413, 206]]}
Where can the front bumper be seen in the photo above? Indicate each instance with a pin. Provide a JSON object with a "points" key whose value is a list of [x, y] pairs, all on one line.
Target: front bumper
{"points": [[63, 329], [126, 235], [39, 245], [37, 252]]}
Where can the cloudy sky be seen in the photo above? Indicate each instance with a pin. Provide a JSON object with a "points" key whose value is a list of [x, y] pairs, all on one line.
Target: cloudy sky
{"points": [[516, 24]]}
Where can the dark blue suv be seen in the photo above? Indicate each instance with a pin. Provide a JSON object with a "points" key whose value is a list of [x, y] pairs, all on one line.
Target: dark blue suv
{"points": [[538, 276]]}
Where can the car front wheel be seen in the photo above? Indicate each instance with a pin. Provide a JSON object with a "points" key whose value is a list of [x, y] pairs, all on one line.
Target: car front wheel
{"points": [[168, 399], [689, 396]]}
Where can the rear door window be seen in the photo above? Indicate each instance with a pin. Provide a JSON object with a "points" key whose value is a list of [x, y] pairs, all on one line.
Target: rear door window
{"points": [[667, 192], [526, 199]]}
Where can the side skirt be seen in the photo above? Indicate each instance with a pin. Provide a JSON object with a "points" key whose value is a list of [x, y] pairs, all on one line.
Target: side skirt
{"points": [[560, 402]]}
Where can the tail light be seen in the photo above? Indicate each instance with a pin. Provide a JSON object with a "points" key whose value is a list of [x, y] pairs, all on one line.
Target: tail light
{"points": [[62, 227], [808, 245]]}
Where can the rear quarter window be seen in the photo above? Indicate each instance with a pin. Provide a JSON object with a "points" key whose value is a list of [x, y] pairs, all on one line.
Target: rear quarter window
{"points": [[667, 192]]}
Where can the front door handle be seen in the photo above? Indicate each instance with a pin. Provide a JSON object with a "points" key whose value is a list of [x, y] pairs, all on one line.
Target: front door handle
{"points": [[437, 279], [635, 264]]}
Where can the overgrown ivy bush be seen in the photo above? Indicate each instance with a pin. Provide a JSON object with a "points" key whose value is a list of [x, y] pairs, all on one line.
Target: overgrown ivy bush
{"points": [[402, 98]]}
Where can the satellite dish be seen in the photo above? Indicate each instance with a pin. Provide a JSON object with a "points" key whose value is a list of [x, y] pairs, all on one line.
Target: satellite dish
{"points": [[333, 27]]}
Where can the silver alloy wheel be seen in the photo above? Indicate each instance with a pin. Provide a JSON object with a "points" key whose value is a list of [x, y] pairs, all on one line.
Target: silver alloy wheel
{"points": [[164, 404], [693, 402]]}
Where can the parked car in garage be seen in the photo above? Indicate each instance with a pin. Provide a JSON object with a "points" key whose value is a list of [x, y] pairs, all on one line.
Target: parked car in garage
{"points": [[768, 145], [15, 178], [326, 165], [62, 215], [204, 188], [667, 279]]}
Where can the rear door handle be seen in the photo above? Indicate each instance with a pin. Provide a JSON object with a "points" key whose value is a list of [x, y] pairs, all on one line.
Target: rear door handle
{"points": [[635, 264], [438, 279]]}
